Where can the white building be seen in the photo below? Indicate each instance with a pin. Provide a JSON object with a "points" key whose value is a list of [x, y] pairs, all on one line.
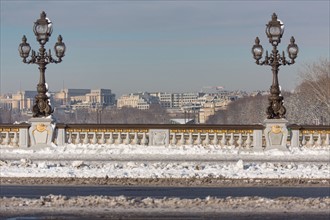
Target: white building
{"points": [[101, 97], [140, 101], [85, 98], [22, 100]]}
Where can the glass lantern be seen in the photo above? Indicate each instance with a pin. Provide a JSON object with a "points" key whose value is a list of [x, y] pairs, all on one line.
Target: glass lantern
{"points": [[24, 48]]}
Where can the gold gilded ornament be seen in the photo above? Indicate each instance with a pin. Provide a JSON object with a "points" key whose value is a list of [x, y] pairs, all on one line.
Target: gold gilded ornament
{"points": [[41, 127], [276, 129]]}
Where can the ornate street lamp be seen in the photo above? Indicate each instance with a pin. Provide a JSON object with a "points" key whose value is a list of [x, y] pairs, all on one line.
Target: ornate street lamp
{"points": [[42, 29], [274, 31]]}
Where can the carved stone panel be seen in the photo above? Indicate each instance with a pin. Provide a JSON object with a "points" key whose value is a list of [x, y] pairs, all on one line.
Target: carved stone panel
{"points": [[159, 137], [41, 131], [276, 134]]}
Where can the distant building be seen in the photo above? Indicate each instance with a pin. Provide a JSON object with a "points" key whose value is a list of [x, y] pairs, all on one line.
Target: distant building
{"points": [[101, 97], [175, 100], [165, 99], [141, 101], [22, 100], [85, 98], [68, 96]]}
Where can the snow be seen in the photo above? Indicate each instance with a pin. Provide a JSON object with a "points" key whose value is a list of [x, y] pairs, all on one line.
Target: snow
{"points": [[135, 161]]}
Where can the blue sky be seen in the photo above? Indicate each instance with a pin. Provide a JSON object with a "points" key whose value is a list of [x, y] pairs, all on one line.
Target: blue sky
{"points": [[170, 46]]}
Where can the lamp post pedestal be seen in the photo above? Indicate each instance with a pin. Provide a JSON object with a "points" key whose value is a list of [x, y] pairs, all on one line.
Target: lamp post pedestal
{"points": [[41, 131], [276, 134]]}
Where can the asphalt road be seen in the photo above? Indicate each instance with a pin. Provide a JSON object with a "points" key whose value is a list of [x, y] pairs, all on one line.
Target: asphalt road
{"points": [[36, 191]]}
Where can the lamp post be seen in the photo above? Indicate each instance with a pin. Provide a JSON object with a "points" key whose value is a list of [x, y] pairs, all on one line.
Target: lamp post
{"points": [[274, 31], [42, 29]]}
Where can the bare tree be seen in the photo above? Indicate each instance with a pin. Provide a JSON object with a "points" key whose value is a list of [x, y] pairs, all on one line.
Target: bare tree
{"points": [[315, 81], [247, 110], [312, 96]]}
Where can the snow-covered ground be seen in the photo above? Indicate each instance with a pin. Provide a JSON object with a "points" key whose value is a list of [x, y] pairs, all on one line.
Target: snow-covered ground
{"points": [[122, 161]]}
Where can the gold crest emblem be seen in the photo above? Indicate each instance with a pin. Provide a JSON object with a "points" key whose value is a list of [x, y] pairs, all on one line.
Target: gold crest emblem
{"points": [[276, 129], [41, 127]]}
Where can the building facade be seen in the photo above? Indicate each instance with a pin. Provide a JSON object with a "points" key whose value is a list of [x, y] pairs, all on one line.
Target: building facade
{"points": [[141, 101], [21, 101]]}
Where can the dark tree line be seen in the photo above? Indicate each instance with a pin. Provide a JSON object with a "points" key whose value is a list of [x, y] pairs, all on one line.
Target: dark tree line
{"points": [[247, 110]]}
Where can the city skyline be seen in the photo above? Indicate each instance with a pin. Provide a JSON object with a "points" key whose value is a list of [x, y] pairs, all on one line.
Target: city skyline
{"points": [[170, 46]]}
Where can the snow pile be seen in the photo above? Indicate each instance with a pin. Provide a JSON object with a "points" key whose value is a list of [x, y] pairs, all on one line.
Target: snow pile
{"points": [[151, 169], [135, 161], [134, 152]]}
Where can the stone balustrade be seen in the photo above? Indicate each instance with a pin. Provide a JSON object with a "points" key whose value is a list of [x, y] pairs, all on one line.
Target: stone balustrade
{"points": [[311, 136], [246, 137], [15, 135]]}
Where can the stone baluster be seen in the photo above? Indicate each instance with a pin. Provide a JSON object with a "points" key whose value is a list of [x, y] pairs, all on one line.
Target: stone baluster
{"points": [[303, 141], [215, 139], [223, 140], [135, 140], [110, 140], [94, 140], [207, 139], [15, 140], [199, 140], [311, 141], [173, 141], [181, 141], [144, 140], [248, 141], [127, 140], [119, 140], [86, 140], [231, 140], [78, 138], [319, 140], [240, 140], [190, 139], [102, 141], [70, 138], [7, 139]]}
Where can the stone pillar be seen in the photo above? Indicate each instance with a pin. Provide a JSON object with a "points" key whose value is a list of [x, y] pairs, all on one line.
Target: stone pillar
{"points": [[23, 137], [257, 140], [295, 136], [60, 135], [276, 134], [41, 132]]}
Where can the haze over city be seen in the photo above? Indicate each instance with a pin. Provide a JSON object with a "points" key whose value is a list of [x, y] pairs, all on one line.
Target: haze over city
{"points": [[170, 46]]}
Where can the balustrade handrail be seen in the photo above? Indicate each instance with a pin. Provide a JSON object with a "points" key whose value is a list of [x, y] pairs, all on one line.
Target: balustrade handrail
{"points": [[162, 126], [309, 127], [14, 126]]}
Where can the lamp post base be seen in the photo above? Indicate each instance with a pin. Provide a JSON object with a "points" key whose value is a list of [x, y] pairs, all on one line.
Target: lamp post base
{"points": [[276, 134], [41, 132]]}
